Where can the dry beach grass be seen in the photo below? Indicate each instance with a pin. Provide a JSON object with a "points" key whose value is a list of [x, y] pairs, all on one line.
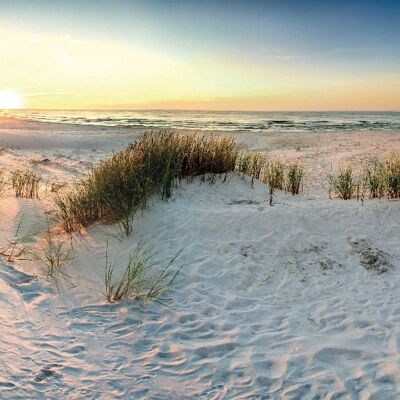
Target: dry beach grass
{"points": [[378, 177], [154, 165]]}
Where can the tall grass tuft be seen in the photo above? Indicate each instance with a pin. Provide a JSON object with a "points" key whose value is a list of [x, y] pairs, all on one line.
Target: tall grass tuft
{"points": [[392, 173], [3, 181], [343, 183], [115, 189], [53, 254], [294, 177], [18, 247], [251, 163], [25, 183], [379, 178], [244, 162], [373, 177], [274, 176], [139, 281], [55, 186], [258, 161]]}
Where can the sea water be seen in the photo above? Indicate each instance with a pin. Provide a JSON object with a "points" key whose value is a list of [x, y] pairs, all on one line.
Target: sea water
{"points": [[220, 120]]}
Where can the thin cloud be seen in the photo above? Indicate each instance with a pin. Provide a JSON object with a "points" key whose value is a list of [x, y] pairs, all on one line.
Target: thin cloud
{"points": [[350, 50], [43, 94], [283, 57]]}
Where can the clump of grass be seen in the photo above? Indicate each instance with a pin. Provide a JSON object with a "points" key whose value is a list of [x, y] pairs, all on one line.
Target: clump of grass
{"points": [[294, 177], [258, 161], [25, 183], [115, 189], [373, 177], [244, 162], [274, 176], [3, 181], [277, 169], [251, 163], [343, 183], [132, 280], [55, 186], [53, 254], [392, 174], [378, 178], [18, 246], [138, 281]]}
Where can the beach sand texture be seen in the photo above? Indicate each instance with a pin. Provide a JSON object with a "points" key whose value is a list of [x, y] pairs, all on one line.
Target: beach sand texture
{"points": [[288, 301]]}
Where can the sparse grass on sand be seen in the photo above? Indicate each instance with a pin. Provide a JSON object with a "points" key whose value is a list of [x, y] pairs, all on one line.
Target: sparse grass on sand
{"points": [[378, 178], [294, 177], [3, 181], [26, 183], [343, 182], [392, 176], [139, 280], [244, 162], [55, 186], [373, 177], [18, 247], [252, 164], [274, 176], [53, 254]]}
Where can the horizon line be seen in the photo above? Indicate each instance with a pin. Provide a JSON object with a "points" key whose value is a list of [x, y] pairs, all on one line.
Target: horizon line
{"points": [[200, 110]]}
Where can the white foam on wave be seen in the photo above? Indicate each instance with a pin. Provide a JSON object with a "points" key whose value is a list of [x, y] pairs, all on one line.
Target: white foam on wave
{"points": [[220, 121]]}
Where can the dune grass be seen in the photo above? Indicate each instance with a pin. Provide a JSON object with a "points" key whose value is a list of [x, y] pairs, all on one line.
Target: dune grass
{"points": [[55, 186], [18, 247], [373, 177], [244, 162], [118, 187], [251, 163], [53, 254], [378, 178], [139, 279], [25, 182], [294, 177], [392, 176], [258, 162], [3, 181], [274, 176], [115, 189], [343, 182]]}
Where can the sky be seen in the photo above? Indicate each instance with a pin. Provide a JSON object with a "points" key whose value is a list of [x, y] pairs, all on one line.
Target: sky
{"points": [[209, 55]]}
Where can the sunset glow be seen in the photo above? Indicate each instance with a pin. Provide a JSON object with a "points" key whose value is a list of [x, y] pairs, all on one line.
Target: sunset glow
{"points": [[9, 99], [133, 55]]}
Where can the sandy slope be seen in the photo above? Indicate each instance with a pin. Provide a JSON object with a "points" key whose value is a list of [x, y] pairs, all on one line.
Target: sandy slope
{"points": [[272, 302]]}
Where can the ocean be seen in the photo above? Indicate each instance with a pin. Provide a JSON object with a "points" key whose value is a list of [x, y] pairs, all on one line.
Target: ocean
{"points": [[220, 120]]}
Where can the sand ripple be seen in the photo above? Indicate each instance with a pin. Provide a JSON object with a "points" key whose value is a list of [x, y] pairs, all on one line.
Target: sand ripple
{"points": [[272, 303]]}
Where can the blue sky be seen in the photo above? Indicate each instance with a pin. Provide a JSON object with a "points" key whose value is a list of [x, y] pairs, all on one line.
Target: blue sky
{"points": [[296, 25]]}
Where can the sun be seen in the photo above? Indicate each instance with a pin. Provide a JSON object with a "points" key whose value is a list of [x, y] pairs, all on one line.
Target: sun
{"points": [[10, 99]]}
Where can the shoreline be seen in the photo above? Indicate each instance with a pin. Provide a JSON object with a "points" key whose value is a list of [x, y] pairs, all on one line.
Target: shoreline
{"points": [[84, 145]]}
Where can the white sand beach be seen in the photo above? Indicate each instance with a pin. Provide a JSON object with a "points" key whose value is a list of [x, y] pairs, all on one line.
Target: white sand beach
{"points": [[295, 301]]}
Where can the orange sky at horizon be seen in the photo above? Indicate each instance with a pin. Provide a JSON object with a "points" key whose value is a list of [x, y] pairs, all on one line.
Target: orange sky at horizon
{"points": [[59, 71]]}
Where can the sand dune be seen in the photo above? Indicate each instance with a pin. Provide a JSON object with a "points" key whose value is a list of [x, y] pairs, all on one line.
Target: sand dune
{"points": [[297, 301]]}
